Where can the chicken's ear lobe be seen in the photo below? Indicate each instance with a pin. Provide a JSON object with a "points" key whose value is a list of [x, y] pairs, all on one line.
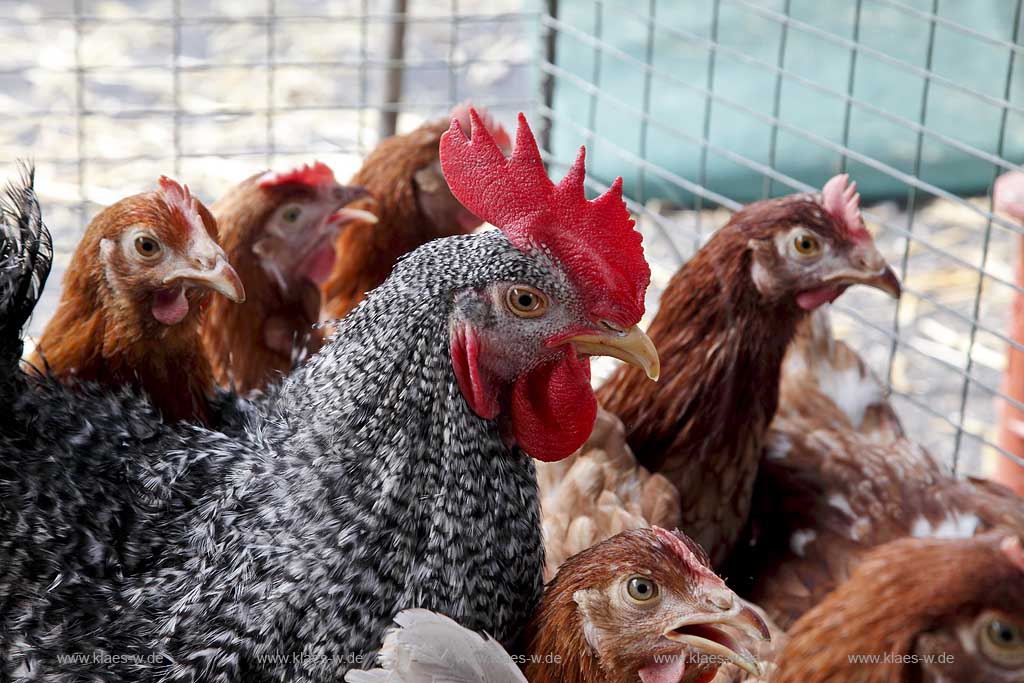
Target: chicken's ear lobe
{"points": [[474, 381], [584, 599]]}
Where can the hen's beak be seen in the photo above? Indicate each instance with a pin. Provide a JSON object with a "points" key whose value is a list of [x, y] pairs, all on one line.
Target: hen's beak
{"points": [[631, 346], [709, 634], [869, 267], [220, 278], [347, 215]]}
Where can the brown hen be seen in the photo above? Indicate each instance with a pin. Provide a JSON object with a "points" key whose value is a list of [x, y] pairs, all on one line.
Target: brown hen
{"points": [[132, 302], [413, 206], [918, 611], [839, 479], [278, 229], [722, 330]]}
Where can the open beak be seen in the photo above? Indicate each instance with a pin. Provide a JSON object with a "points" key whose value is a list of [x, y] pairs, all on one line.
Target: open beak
{"points": [[220, 278], [711, 634], [632, 346], [345, 195]]}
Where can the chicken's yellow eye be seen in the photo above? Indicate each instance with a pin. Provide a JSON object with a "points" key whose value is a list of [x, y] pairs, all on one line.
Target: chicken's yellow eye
{"points": [[806, 244], [641, 589], [291, 214], [526, 302], [1002, 641], [147, 247]]}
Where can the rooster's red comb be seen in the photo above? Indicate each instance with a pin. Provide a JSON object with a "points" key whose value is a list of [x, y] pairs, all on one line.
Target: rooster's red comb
{"points": [[314, 175], [840, 198], [593, 240], [178, 198]]}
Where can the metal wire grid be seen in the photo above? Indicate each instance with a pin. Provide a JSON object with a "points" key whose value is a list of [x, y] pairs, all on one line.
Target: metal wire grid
{"points": [[949, 399]]}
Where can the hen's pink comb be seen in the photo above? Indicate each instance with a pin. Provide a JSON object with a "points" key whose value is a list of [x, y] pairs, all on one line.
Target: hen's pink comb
{"points": [[593, 240], [313, 175], [842, 201], [497, 131], [1011, 547], [178, 197], [683, 551]]}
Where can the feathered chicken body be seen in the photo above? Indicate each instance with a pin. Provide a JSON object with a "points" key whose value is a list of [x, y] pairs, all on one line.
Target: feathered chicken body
{"points": [[839, 479], [278, 230], [413, 204], [376, 479], [133, 301], [722, 330]]}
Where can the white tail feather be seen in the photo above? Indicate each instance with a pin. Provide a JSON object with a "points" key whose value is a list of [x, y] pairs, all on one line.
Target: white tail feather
{"points": [[427, 647]]}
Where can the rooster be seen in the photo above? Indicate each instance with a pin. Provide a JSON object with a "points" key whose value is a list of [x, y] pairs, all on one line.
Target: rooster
{"points": [[918, 611], [642, 605], [392, 471], [133, 302], [278, 229], [722, 329], [839, 479], [413, 203]]}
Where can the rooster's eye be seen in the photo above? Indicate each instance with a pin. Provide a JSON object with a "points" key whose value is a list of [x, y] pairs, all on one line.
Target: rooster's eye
{"points": [[291, 214], [147, 247], [806, 245], [526, 302], [1003, 641], [641, 588]]}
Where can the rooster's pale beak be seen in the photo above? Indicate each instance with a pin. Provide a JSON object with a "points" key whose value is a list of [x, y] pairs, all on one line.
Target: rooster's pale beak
{"points": [[704, 632], [220, 278], [632, 346]]}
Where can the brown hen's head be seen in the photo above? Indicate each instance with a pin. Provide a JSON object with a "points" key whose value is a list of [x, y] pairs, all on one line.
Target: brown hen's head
{"points": [[300, 215], [808, 249], [925, 610], [159, 251], [643, 604]]}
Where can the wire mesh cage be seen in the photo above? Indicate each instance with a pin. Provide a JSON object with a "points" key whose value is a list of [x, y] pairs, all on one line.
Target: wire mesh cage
{"points": [[701, 104]]}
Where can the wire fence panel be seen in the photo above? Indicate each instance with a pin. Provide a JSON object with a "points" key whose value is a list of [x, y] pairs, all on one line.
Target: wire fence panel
{"points": [[705, 105], [702, 105]]}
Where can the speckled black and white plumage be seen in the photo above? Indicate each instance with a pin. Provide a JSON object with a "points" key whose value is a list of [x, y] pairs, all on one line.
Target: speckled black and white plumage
{"points": [[362, 487]]}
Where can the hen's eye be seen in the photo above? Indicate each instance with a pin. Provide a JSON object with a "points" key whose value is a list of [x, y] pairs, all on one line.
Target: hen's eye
{"points": [[147, 247], [526, 302], [641, 589], [806, 245], [291, 214], [1003, 641]]}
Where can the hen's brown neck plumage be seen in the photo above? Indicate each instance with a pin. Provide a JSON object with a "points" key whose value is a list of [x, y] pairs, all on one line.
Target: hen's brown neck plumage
{"points": [[721, 348], [367, 253]]}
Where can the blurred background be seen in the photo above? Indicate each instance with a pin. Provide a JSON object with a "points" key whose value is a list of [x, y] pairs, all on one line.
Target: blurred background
{"points": [[700, 104]]}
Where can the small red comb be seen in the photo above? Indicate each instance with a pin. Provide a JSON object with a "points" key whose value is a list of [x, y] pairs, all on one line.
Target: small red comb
{"points": [[313, 175], [593, 240], [842, 201], [178, 197], [1011, 547], [683, 551]]}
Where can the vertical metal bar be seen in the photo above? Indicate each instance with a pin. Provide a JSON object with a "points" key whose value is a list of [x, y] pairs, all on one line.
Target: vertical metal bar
{"points": [[1000, 148], [780, 62], [364, 30], [641, 179], [702, 178], [851, 80], [547, 81], [453, 44], [271, 75], [595, 77], [922, 116], [393, 72], [176, 86], [80, 116]]}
